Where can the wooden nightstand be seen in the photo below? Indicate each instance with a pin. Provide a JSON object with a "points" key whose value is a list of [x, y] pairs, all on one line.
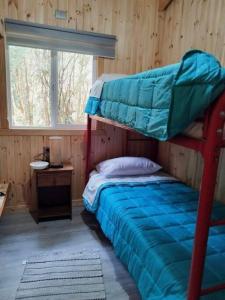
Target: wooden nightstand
{"points": [[4, 188], [53, 193]]}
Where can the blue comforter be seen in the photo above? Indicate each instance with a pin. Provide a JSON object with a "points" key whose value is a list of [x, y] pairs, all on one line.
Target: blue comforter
{"points": [[162, 102], [151, 228]]}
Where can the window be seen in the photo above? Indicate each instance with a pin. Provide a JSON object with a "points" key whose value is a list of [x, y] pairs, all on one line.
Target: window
{"points": [[48, 88], [50, 73]]}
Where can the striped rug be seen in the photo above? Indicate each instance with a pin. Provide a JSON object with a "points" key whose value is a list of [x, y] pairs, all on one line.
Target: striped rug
{"points": [[59, 276]]}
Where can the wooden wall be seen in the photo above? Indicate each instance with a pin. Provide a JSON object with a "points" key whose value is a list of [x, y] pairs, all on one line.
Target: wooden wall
{"points": [[16, 152], [134, 22], [191, 24]]}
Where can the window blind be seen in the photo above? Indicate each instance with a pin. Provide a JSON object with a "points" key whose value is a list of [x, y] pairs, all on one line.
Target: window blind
{"points": [[63, 39]]}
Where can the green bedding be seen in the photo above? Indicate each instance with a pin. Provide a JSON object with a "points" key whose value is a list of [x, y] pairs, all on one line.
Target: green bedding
{"points": [[162, 102]]}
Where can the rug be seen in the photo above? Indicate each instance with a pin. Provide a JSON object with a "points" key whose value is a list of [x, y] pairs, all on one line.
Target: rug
{"points": [[58, 276]]}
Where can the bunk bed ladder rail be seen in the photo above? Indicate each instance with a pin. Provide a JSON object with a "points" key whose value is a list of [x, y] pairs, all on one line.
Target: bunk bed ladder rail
{"points": [[211, 152], [88, 149]]}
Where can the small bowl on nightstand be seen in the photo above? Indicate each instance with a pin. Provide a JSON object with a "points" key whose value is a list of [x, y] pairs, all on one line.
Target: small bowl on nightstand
{"points": [[39, 165]]}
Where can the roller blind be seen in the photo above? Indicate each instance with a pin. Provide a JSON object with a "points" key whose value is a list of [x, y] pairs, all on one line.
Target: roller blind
{"points": [[51, 37]]}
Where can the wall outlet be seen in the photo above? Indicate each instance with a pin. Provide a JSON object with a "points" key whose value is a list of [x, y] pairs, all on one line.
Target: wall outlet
{"points": [[61, 14]]}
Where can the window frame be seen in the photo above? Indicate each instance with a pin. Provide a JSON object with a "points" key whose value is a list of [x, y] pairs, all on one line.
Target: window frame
{"points": [[53, 89]]}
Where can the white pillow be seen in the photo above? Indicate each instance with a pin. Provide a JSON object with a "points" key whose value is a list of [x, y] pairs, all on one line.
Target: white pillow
{"points": [[127, 165]]}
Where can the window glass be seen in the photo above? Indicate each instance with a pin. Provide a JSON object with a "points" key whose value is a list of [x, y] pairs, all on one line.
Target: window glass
{"points": [[29, 71], [48, 88], [74, 83]]}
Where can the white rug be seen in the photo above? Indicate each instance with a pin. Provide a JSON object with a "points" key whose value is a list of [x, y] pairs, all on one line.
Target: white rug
{"points": [[76, 276]]}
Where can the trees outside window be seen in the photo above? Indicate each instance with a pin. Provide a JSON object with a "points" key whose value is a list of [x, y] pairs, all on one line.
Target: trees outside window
{"points": [[74, 83], [48, 88]]}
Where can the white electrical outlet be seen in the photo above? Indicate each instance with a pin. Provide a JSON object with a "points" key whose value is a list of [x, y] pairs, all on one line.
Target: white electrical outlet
{"points": [[61, 14]]}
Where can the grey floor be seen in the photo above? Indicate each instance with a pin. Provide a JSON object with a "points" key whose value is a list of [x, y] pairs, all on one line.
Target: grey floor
{"points": [[21, 237]]}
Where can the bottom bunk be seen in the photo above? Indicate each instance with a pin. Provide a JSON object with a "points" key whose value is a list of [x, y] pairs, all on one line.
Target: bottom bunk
{"points": [[151, 226]]}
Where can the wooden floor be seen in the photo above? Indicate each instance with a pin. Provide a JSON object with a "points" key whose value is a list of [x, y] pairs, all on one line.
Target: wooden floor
{"points": [[21, 237]]}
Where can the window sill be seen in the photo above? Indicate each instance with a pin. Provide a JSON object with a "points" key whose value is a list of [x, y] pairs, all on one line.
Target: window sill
{"points": [[47, 132]]}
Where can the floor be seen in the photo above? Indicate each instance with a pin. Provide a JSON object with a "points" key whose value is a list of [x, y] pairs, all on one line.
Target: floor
{"points": [[21, 237]]}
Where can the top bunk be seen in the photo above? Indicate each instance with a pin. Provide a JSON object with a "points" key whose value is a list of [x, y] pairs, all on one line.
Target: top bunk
{"points": [[194, 137], [182, 103]]}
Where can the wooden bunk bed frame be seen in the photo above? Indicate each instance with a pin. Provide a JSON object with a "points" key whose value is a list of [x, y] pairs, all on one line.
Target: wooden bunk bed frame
{"points": [[209, 146]]}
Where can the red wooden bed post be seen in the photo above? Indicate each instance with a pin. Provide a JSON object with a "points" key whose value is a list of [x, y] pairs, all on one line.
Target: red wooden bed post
{"points": [[211, 154], [88, 149]]}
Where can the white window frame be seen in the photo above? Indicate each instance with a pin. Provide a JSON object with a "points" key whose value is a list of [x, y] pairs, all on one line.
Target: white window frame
{"points": [[53, 95]]}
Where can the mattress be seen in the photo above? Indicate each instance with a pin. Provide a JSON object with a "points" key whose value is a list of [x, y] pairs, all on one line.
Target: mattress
{"points": [[162, 102], [195, 130], [151, 228]]}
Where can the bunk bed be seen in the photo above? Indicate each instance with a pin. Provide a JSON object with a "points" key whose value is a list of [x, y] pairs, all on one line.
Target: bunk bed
{"points": [[209, 145]]}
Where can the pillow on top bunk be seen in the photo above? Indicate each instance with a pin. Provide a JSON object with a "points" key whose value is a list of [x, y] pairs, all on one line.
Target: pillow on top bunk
{"points": [[127, 166]]}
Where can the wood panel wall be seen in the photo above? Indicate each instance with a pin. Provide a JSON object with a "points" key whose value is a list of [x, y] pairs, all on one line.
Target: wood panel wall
{"points": [[135, 23], [184, 25], [16, 152]]}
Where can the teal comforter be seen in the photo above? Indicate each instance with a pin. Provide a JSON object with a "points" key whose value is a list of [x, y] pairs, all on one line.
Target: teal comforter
{"points": [[162, 102], [151, 228]]}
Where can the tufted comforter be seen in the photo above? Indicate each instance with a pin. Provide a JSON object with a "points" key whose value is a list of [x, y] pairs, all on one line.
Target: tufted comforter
{"points": [[151, 228], [162, 102]]}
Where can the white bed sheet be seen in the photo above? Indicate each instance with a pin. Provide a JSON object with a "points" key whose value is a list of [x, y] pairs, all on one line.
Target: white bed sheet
{"points": [[96, 180]]}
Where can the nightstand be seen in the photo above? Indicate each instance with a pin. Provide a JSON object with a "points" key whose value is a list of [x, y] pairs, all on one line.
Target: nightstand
{"points": [[4, 188], [53, 193]]}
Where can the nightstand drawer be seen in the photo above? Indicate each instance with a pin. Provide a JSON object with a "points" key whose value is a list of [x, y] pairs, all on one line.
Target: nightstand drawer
{"points": [[45, 180], [56, 179], [63, 179]]}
